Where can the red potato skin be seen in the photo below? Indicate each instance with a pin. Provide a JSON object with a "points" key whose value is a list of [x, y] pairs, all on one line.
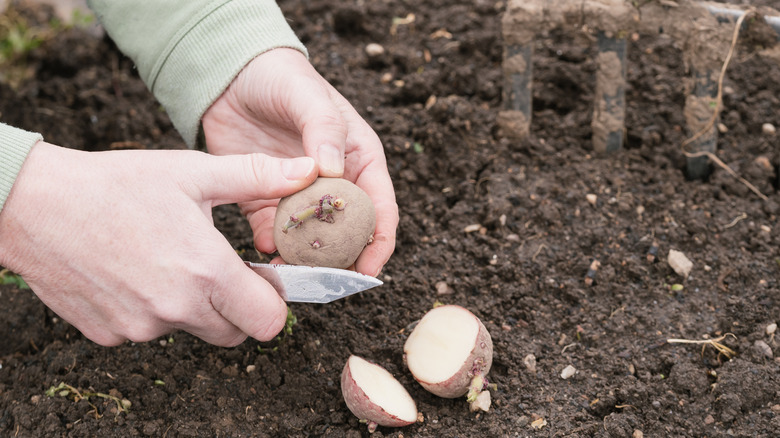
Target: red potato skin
{"points": [[479, 361], [359, 404]]}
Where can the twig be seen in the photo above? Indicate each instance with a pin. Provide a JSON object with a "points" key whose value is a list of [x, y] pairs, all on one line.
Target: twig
{"points": [[735, 221], [718, 105], [715, 343], [538, 250]]}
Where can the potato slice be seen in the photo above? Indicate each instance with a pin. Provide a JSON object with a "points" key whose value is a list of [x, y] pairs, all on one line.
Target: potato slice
{"points": [[375, 396]]}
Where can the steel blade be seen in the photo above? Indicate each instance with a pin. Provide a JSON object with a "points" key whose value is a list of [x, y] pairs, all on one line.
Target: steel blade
{"points": [[306, 284]]}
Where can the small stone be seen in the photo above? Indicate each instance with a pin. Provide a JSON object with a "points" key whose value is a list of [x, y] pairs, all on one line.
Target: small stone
{"points": [[764, 348], [591, 198], [638, 434], [709, 419], [250, 368], [771, 329], [681, 264], [568, 372], [374, 49], [768, 129], [539, 423], [764, 162], [530, 363], [482, 402], [471, 228], [722, 128], [443, 288], [512, 237]]}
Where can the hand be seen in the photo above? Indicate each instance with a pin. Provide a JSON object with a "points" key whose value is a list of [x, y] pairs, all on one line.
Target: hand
{"points": [[281, 106], [122, 245]]}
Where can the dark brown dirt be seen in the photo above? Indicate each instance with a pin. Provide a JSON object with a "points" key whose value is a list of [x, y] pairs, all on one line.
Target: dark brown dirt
{"points": [[522, 271]]}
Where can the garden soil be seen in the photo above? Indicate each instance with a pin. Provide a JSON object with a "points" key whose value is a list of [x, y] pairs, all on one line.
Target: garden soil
{"points": [[506, 228]]}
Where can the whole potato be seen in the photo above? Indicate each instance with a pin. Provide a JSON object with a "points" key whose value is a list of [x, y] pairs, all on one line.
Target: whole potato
{"points": [[326, 224]]}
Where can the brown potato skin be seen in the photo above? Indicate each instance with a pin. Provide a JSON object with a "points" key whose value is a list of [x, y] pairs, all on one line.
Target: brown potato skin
{"points": [[341, 242]]}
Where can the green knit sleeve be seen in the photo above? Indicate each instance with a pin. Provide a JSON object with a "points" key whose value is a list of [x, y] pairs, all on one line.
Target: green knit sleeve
{"points": [[15, 144], [188, 51]]}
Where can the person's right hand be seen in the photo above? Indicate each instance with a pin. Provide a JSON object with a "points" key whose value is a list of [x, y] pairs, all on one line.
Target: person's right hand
{"points": [[122, 245]]}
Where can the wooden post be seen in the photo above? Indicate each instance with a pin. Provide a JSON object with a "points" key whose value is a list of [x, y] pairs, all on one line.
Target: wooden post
{"points": [[515, 119], [699, 109], [609, 112]]}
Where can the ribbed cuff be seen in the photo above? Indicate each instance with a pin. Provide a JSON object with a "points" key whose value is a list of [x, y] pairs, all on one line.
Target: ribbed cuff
{"points": [[203, 59], [15, 144]]}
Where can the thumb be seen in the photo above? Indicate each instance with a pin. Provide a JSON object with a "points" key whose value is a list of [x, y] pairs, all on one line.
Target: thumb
{"points": [[322, 140], [323, 129], [250, 303], [241, 178]]}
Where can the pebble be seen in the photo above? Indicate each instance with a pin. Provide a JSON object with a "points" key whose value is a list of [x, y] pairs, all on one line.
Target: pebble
{"points": [[709, 419], [638, 434], [681, 264], [530, 363], [771, 329], [722, 128], [443, 288], [764, 348], [374, 49], [591, 198], [768, 129], [568, 372], [471, 228]]}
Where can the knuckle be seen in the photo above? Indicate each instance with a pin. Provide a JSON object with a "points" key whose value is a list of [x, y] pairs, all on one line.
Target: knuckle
{"points": [[257, 170], [141, 333]]}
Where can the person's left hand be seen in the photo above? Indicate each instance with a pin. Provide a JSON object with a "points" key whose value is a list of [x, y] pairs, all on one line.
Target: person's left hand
{"points": [[279, 105]]}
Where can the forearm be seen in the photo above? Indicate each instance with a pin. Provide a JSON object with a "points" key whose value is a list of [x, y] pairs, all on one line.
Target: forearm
{"points": [[188, 51], [15, 144]]}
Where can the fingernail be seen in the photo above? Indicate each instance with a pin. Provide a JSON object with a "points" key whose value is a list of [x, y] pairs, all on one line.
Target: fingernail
{"points": [[297, 168], [331, 159]]}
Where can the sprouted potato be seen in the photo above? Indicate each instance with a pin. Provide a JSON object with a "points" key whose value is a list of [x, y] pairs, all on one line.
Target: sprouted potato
{"points": [[326, 224]]}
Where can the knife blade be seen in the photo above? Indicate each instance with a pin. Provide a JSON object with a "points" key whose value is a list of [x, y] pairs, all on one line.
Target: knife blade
{"points": [[306, 284]]}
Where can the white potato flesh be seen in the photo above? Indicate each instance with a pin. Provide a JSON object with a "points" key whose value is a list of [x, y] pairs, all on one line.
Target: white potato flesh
{"points": [[373, 394], [440, 343]]}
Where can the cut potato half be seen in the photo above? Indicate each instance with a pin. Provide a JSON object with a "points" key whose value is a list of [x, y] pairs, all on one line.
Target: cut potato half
{"points": [[447, 350], [374, 395]]}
